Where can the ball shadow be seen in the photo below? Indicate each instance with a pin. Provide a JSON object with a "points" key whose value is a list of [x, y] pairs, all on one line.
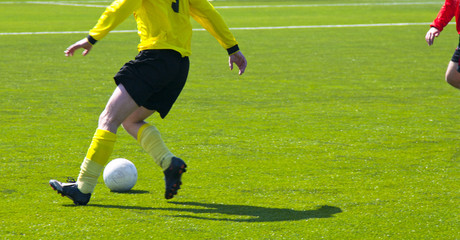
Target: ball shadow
{"points": [[132, 192]]}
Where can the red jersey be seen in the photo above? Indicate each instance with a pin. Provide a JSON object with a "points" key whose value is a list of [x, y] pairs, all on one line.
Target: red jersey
{"points": [[447, 12]]}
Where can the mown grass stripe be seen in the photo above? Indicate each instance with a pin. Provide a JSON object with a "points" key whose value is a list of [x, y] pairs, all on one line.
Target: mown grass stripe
{"points": [[85, 4], [240, 28]]}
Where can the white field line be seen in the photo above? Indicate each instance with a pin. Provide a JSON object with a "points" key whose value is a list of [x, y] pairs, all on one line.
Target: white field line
{"points": [[56, 33], [79, 4], [332, 26], [240, 28], [58, 4]]}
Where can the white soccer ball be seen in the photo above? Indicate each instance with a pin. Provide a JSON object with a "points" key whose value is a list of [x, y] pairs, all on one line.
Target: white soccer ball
{"points": [[120, 175]]}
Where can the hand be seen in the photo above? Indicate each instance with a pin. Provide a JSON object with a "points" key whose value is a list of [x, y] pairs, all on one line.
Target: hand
{"points": [[240, 61], [80, 44], [431, 34]]}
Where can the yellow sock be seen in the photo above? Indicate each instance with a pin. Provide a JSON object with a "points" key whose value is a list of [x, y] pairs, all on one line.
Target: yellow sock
{"points": [[149, 138], [89, 173], [97, 156]]}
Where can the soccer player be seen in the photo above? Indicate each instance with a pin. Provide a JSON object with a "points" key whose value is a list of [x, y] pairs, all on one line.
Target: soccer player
{"points": [[149, 83], [450, 9]]}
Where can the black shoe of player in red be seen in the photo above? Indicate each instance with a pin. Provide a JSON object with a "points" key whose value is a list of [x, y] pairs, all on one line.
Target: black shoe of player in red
{"points": [[173, 177], [71, 191]]}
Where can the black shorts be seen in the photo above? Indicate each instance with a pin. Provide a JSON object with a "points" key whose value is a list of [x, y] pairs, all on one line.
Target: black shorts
{"points": [[155, 78], [456, 55]]}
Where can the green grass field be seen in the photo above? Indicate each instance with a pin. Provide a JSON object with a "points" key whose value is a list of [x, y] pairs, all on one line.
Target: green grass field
{"points": [[332, 132]]}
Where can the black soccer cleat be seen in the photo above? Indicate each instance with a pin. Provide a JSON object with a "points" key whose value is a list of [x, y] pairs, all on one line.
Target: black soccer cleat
{"points": [[173, 177], [71, 191]]}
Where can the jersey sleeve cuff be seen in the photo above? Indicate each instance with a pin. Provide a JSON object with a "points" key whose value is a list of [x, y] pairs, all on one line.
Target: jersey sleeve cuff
{"points": [[233, 49], [91, 40]]}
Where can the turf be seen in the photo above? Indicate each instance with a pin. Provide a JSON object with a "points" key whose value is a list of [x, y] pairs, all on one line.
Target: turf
{"points": [[335, 133]]}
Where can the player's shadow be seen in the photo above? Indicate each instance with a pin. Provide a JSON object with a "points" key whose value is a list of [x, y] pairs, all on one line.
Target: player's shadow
{"points": [[256, 214], [240, 213]]}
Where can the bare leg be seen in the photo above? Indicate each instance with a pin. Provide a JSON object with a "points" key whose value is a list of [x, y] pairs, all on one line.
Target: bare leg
{"points": [[119, 107], [452, 75], [135, 121]]}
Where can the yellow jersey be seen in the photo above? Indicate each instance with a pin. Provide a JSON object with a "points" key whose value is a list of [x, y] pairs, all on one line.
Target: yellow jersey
{"points": [[165, 24]]}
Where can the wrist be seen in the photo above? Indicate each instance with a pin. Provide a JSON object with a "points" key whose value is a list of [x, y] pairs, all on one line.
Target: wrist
{"points": [[433, 27], [233, 50], [91, 40]]}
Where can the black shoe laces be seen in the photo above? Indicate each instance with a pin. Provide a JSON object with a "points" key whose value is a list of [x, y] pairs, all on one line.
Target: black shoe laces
{"points": [[71, 180]]}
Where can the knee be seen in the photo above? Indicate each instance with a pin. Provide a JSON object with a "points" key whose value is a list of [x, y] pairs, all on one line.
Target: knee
{"points": [[452, 75], [453, 79], [108, 122]]}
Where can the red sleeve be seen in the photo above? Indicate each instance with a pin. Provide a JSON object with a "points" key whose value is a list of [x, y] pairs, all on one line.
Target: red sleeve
{"points": [[446, 14]]}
